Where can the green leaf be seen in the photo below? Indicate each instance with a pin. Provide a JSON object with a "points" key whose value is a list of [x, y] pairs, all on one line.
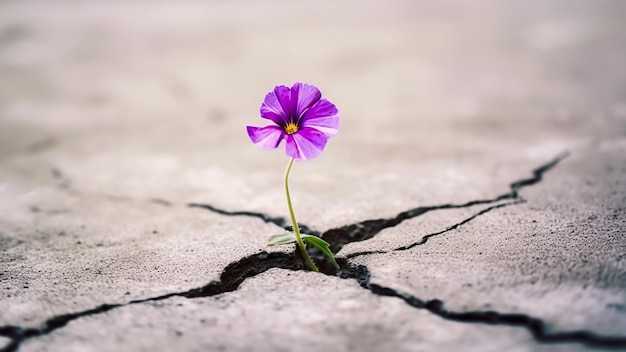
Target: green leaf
{"points": [[322, 245], [281, 238]]}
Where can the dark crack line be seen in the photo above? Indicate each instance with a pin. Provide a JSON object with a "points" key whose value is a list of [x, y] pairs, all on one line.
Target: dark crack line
{"points": [[367, 229], [253, 265], [425, 238], [535, 326], [276, 220], [235, 273], [230, 280], [457, 225], [370, 228]]}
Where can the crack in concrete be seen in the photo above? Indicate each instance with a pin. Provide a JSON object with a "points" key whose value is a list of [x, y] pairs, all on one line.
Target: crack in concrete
{"points": [[235, 273], [535, 326], [276, 220], [425, 238], [369, 228], [230, 279]]}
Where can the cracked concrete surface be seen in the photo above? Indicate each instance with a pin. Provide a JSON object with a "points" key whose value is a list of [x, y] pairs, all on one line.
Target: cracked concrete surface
{"points": [[134, 211]]}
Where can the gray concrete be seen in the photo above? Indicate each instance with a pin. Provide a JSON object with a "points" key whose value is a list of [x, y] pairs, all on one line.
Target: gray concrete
{"points": [[113, 117]]}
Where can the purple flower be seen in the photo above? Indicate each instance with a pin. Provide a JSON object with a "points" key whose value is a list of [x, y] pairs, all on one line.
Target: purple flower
{"points": [[302, 118]]}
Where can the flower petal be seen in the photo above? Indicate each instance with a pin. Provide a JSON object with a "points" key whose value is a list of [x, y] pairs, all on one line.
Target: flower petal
{"points": [[272, 106], [267, 137], [328, 125], [322, 116], [306, 144], [306, 95], [286, 100], [322, 108]]}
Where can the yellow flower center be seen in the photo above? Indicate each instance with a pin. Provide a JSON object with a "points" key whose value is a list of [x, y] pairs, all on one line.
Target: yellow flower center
{"points": [[291, 128]]}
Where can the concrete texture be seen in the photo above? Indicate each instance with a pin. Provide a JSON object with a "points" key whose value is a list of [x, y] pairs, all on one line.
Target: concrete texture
{"points": [[476, 192]]}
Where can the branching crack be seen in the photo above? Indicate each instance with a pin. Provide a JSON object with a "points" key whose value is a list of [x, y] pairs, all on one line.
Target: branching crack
{"points": [[424, 239], [230, 279], [368, 229], [235, 273]]}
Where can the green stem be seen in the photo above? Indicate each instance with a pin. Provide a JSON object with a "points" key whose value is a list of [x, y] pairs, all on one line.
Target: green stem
{"points": [[294, 224]]}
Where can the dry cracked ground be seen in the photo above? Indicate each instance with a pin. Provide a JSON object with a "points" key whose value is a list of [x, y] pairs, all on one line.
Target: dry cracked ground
{"points": [[475, 196]]}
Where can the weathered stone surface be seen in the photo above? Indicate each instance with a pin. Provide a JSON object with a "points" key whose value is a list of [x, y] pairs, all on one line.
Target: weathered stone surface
{"points": [[559, 256], [278, 311], [65, 253], [115, 116]]}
